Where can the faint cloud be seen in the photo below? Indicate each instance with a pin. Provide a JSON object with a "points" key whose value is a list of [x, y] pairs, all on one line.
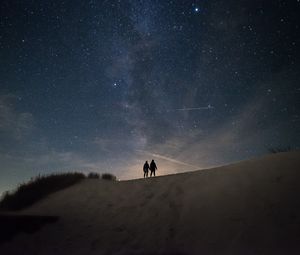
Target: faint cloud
{"points": [[240, 137], [155, 155], [13, 124]]}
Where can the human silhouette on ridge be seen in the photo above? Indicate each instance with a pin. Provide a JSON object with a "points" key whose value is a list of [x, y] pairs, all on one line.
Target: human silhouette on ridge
{"points": [[146, 168], [153, 167]]}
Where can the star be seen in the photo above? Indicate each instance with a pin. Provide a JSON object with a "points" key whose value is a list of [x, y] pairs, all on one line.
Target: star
{"points": [[196, 9]]}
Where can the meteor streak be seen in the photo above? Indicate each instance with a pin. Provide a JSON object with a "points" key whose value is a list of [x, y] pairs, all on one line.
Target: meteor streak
{"points": [[194, 108]]}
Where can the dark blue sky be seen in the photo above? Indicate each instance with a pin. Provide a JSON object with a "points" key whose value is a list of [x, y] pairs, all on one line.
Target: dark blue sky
{"points": [[106, 85]]}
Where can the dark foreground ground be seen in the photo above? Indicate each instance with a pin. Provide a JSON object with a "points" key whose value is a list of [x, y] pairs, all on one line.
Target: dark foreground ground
{"points": [[11, 224], [248, 208]]}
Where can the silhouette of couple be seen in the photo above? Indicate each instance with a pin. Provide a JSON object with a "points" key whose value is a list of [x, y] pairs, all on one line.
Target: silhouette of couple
{"points": [[152, 168]]}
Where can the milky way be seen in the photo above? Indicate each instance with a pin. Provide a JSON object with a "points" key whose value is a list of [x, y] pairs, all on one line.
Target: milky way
{"points": [[105, 85]]}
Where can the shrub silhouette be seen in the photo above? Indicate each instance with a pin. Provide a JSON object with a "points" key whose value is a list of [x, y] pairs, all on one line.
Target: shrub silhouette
{"points": [[280, 149], [93, 175], [37, 188], [108, 176]]}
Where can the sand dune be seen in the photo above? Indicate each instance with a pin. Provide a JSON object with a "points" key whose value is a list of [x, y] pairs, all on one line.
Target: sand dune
{"points": [[251, 207]]}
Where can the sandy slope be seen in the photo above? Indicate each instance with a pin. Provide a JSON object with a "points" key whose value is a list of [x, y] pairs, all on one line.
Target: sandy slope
{"points": [[252, 207]]}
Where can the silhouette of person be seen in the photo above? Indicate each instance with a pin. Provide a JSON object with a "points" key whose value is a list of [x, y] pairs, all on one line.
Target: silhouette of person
{"points": [[153, 167], [146, 168]]}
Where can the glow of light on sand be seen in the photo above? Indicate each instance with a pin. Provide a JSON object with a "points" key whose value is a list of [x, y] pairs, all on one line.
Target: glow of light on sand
{"points": [[165, 164], [164, 168]]}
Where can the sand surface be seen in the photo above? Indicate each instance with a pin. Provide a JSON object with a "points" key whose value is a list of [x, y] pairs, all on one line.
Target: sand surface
{"points": [[252, 207]]}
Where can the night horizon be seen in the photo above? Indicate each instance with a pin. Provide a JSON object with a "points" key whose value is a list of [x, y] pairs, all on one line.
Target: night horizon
{"points": [[105, 85]]}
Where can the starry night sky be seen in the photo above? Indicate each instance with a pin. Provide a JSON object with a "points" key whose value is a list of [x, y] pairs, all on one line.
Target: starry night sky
{"points": [[105, 85]]}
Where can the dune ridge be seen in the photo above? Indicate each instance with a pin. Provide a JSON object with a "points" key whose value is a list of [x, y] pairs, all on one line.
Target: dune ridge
{"points": [[251, 207]]}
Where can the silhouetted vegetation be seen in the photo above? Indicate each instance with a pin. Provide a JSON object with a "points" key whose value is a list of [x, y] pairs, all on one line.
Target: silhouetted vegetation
{"points": [[93, 175], [110, 177], [37, 188], [280, 149]]}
